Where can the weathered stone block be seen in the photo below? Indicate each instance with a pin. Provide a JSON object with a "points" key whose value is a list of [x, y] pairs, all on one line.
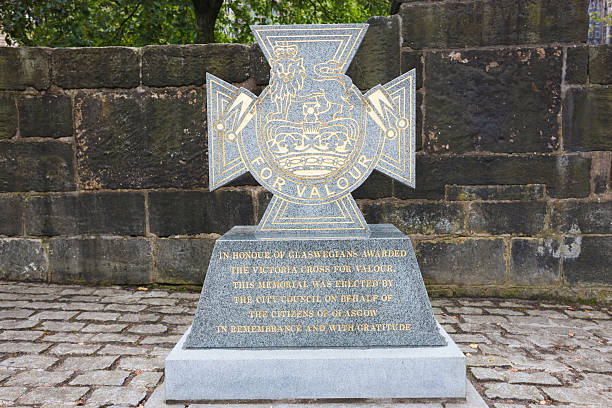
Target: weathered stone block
{"points": [[262, 198], [534, 261], [587, 122], [181, 261], [136, 139], [21, 67], [101, 260], [179, 65], [413, 60], [587, 260], [173, 65], [377, 60], [518, 218], [36, 166], [10, 215], [456, 25], [493, 100], [8, 116], [260, 66], [600, 61], [75, 214], [565, 176], [576, 217], [499, 192], [45, 116], [577, 64], [425, 218], [197, 212], [92, 67], [601, 170], [377, 185], [230, 62], [23, 260], [462, 261]]}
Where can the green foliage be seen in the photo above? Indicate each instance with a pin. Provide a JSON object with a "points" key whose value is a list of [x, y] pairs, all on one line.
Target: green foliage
{"points": [[76, 23], [236, 16]]}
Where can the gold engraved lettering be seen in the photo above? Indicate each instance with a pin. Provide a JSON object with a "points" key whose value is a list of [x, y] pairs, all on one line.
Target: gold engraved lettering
{"points": [[359, 283], [279, 183], [258, 160], [300, 190], [243, 284], [239, 270], [258, 314], [282, 284], [374, 268], [315, 191], [265, 173]]}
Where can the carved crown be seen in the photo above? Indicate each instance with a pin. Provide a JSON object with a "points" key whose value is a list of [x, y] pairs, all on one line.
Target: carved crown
{"points": [[282, 49]]}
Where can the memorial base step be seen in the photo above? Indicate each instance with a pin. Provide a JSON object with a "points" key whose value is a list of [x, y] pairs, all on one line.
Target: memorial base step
{"points": [[315, 373]]}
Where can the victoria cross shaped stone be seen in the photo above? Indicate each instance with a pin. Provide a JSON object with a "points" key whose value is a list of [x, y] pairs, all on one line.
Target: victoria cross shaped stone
{"points": [[311, 137]]}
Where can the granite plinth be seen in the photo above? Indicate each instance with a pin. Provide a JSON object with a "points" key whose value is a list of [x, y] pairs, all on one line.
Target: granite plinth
{"points": [[308, 373], [326, 292]]}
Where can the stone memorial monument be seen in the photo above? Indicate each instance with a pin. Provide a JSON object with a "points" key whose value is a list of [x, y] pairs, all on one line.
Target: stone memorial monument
{"points": [[313, 302]]}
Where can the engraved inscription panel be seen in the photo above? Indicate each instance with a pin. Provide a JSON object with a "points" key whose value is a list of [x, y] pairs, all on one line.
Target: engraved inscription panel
{"points": [[278, 293]]}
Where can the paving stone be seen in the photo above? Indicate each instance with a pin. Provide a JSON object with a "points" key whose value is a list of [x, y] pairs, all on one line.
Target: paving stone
{"points": [[125, 308], [122, 350], [114, 337], [470, 338], [551, 314], [101, 377], [171, 339], [549, 366], [10, 394], [504, 312], [583, 314], [15, 314], [518, 377], [141, 363], [513, 391], [574, 395], [487, 374], [68, 337], [17, 324], [464, 310], [29, 361], [487, 361], [81, 306], [102, 316], [148, 328], [147, 379], [484, 319], [20, 335], [69, 349], [116, 395], [40, 378], [104, 328], [54, 395], [19, 347], [62, 326], [89, 363], [599, 365], [592, 379]]}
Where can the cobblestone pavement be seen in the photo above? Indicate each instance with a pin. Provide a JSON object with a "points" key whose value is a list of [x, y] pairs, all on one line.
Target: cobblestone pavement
{"points": [[67, 346]]}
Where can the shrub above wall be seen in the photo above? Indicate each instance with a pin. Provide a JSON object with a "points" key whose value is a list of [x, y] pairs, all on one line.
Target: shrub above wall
{"points": [[104, 166]]}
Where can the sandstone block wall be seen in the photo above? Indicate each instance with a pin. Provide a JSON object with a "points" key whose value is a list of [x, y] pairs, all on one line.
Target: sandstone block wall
{"points": [[104, 171]]}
